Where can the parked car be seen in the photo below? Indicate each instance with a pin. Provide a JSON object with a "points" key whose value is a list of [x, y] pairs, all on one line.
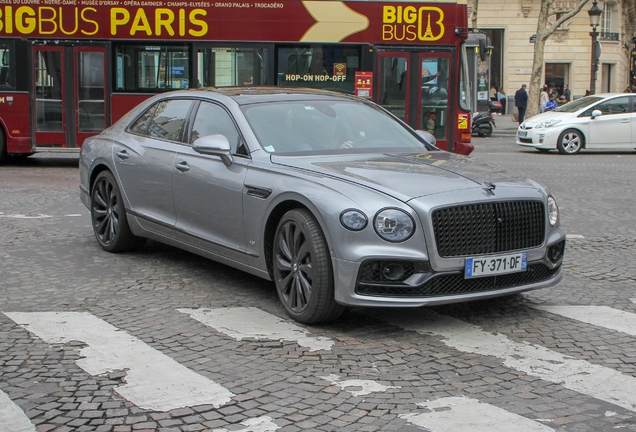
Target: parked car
{"points": [[602, 121], [331, 197]]}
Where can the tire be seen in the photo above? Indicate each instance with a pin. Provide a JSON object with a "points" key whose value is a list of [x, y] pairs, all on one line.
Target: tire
{"points": [[570, 142], [108, 216], [486, 134], [302, 269]]}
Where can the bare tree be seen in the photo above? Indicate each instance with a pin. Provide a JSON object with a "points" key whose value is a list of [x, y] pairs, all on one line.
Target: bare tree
{"points": [[563, 11], [473, 15]]}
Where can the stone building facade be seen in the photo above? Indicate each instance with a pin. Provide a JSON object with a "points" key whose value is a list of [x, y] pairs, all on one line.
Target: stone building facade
{"points": [[510, 24]]}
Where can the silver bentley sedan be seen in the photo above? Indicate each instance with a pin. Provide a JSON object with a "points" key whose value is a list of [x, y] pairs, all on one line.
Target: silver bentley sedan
{"points": [[330, 196]]}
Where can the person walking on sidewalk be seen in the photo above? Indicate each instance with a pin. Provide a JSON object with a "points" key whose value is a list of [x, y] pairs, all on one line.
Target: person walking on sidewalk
{"points": [[521, 102]]}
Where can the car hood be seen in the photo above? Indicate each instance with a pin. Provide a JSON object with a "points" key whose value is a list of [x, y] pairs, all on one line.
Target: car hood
{"points": [[549, 115], [407, 176]]}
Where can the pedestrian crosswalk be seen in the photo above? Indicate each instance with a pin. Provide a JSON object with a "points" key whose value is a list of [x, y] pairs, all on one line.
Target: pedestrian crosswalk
{"points": [[156, 382]]}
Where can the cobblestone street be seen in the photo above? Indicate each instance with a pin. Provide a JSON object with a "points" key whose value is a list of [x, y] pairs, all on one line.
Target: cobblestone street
{"points": [[525, 363]]}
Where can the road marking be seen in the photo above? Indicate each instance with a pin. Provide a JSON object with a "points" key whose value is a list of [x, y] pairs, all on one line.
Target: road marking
{"points": [[575, 236], [12, 418], [578, 375], [21, 216], [465, 414], [260, 424], [153, 380], [601, 316], [367, 386], [250, 322]]}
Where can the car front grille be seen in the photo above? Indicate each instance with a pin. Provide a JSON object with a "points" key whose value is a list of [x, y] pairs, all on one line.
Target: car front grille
{"points": [[478, 229], [456, 284], [525, 140]]}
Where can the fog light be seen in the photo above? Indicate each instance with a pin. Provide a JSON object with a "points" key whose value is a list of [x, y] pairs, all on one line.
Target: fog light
{"points": [[541, 138], [393, 272]]}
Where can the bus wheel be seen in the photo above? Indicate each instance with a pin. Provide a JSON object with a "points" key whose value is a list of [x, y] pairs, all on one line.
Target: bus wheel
{"points": [[3, 147], [108, 216]]}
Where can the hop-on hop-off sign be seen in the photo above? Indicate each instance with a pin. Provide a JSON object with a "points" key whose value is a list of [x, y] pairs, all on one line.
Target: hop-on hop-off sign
{"points": [[288, 20]]}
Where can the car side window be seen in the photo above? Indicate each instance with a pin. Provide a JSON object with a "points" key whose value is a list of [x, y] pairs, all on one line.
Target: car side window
{"points": [[169, 119], [140, 127], [212, 119], [619, 105]]}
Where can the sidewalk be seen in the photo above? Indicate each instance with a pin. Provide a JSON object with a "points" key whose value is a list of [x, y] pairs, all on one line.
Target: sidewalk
{"points": [[505, 125]]}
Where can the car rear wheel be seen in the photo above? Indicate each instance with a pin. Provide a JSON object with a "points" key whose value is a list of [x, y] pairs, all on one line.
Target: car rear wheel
{"points": [[302, 269], [108, 216], [570, 142]]}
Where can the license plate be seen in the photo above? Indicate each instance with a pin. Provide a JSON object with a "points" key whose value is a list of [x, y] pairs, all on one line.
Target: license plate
{"points": [[495, 265], [522, 134]]}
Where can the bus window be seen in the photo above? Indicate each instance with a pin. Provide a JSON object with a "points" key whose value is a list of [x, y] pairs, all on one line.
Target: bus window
{"points": [[5, 65], [229, 66], [152, 67], [328, 67]]}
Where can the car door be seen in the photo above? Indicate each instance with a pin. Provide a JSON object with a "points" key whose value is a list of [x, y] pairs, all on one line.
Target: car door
{"points": [[612, 129], [208, 194], [144, 160]]}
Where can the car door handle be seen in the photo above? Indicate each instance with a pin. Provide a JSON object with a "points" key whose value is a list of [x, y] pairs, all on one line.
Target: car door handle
{"points": [[183, 166], [625, 121], [123, 155]]}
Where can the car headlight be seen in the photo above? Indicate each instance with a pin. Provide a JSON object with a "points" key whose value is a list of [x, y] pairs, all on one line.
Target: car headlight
{"points": [[553, 211], [393, 225], [547, 124], [353, 219]]}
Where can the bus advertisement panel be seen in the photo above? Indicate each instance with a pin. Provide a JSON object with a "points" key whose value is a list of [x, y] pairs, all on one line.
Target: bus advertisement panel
{"points": [[70, 68]]}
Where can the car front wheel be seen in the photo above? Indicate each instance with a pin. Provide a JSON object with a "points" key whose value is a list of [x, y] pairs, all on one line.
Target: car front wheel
{"points": [[302, 269], [108, 216], [570, 142]]}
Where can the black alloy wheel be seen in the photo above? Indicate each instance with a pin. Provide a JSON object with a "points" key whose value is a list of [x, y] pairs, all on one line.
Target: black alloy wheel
{"points": [[108, 216], [302, 269]]}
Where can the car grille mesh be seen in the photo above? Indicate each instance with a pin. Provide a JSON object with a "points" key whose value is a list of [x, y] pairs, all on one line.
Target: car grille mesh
{"points": [[488, 228], [455, 284]]}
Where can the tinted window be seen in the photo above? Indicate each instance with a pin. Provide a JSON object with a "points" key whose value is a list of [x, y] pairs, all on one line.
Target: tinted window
{"points": [[168, 120], [140, 126], [5, 64], [151, 67], [619, 105], [212, 119]]}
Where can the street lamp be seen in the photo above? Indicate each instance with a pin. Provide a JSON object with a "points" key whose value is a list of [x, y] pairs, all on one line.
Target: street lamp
{"points": [[595, 19]]}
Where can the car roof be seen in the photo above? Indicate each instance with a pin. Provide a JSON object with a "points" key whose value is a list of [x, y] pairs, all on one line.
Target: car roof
{"points": [[258, 94]]}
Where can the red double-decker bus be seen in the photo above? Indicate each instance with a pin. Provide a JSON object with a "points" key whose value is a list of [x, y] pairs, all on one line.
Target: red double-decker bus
{"points": [[69, 68]]}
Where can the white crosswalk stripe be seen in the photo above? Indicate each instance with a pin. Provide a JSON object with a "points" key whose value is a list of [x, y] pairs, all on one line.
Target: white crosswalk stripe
{"points": [[12, 418], [600, 316], [250, 322], [153, 380], [453, 414], [579, 375]]}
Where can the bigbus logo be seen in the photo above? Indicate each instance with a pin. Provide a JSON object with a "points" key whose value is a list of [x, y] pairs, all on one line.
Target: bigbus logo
{"points": [[410, 23]]}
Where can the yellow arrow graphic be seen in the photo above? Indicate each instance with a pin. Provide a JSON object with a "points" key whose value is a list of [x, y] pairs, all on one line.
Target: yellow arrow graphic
{"points": [[334, 21]]}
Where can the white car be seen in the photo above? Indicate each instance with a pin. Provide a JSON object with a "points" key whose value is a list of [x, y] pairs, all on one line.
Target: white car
{"points": [[599, 121]]}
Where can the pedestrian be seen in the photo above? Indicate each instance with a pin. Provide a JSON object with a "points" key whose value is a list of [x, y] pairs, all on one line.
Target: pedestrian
{"points": [[566, 93], [551, 105], [521, 102], [501, 97], [544, 97], [628, 89], [588, 93], [493, 93]]}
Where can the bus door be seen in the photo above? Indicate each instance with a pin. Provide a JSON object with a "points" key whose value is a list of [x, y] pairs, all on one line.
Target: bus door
{"points": [[69, 94], [414, 86]]}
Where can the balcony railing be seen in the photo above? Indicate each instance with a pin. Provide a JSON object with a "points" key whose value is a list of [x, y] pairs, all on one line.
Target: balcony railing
{"points": [[608, 36]]}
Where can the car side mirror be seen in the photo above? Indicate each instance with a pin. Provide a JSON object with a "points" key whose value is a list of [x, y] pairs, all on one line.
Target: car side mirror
{"points": [[597, 113], [215, 145], [427, 136]]}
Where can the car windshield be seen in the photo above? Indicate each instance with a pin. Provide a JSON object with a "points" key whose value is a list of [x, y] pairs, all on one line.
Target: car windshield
{"points": [[578, 104], [328, 126]]}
